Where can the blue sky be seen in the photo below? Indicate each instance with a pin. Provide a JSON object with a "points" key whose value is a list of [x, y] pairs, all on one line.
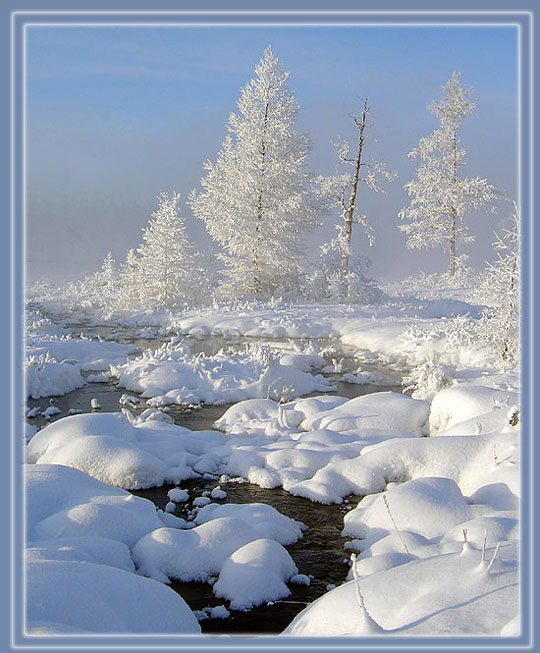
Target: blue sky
{"points": [[116, 115]]}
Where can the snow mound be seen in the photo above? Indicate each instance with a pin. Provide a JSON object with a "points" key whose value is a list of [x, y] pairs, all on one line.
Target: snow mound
{"points": [[254, 574], [80, 574], [90, 548], [193, 555], [428, 506], [469, 461], [51, 379], [112, 449], [451, 406], [110, 460], [265, 520], [380, 410], [102, 599]]}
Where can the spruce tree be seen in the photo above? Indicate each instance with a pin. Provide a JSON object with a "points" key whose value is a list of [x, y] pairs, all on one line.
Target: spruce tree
{"points": [[256, 199]]}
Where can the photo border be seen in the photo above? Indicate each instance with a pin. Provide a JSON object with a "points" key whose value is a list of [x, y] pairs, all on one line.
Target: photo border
{"points": [[19, 20]]}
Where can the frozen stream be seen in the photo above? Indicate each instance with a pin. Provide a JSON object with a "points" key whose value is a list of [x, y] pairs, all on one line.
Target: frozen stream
{"points": [[319, 553]]}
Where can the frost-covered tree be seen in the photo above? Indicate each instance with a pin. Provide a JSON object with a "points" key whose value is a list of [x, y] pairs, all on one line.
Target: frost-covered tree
{"points": [[499, 327], [256, 200], [342, 191], [129, 281], [166, 269], [108, 274], [100, 287], [440, 198]]}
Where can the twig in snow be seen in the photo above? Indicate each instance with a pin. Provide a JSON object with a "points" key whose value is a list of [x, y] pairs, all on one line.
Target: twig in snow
{"points": [[494, 556], [385, 499]]}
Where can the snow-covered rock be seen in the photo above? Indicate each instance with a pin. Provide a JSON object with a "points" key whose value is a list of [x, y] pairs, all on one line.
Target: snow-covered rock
{"points": [[265, 520], [254, 574]]}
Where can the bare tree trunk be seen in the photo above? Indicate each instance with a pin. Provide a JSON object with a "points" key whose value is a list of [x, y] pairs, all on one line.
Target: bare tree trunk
{"points": [[453, 212], [349, 213], [506, 344], [259, 210]]}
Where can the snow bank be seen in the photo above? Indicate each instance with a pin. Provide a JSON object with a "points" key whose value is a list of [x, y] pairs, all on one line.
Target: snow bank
{"points": [[89, 354], [89, 548], [428, 506], [462, 402], [254, 574], [79, 572], [48, 378], [469, 461], [171, 375], [112, 449], [423, 597], [102, 599], [377, 411]]}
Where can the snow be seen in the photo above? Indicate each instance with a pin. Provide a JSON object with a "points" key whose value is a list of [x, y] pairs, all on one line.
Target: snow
{"points": [[218, 493], [265, 520], [254, 574], [110, 448], [173, 375], [460, 403], [193, 555], [428, 506], [97, 378], [428, 503], [218, 612], [178, 495], [455, 457], [79, 571], [376, 412], [424, 597], [51, 378], [102, 599]]}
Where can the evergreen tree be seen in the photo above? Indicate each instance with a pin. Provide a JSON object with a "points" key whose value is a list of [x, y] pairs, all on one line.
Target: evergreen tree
{"points": [[166, 269], [256, 200], [440, 199], [129, 281]]}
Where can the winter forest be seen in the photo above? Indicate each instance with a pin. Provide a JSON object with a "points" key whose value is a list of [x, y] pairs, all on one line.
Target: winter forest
{"points": [[259, 435]]}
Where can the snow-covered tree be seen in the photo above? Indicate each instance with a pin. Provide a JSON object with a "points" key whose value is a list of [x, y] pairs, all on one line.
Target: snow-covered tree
{"points": [[440, 198], [342, 191], [256, 200], [100, 287], [129, 281], [166, 269], [108, 274], [499, 327]]}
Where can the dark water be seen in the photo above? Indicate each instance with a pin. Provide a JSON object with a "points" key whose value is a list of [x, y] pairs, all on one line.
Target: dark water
{"points": [[319, 553]]}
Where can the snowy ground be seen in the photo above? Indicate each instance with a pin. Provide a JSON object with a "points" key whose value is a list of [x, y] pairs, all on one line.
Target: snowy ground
{"points": [[423, 545]]}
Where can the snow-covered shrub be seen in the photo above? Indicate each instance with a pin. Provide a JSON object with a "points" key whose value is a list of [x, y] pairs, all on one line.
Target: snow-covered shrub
{"points": [[455, 339], [499, 324], [426, 379], [328, 280], [465, 279]]}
